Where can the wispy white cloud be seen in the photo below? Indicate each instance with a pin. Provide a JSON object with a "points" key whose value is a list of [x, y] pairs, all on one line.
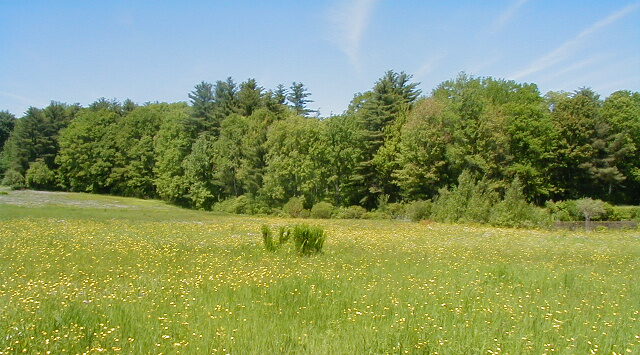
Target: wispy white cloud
{"points": [[507, 15], [349, 21], [569, 47], [575, 66], [429, 65]]}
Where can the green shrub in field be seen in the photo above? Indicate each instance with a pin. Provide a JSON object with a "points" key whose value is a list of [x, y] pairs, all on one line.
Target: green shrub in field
{"points": [[469, 201], [294, 207], [396, 210], [322, 210], [623, 213], [245, 204], [418, 210], [305, 213], [13, 179], [351, 212], [564, 210], [39, 176], [267, 238], [308, 239], [570, 210], [515, 211]]}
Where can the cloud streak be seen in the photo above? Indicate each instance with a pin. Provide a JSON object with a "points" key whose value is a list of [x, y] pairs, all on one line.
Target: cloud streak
{"points": [[349, 21], [569, 47], [507, 15]]}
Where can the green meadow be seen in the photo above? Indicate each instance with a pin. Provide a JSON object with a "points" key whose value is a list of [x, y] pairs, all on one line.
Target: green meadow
{"points": [[86, 274]]}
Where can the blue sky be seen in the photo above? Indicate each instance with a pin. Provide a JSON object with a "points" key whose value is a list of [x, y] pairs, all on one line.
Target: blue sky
{"points": [[77, 51]]}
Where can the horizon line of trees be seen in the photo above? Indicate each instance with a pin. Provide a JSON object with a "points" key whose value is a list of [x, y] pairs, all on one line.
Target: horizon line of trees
{"points": [[392, 144]]}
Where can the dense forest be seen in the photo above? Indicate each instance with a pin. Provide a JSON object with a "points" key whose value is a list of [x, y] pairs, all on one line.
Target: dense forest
{"points": [[393, 144]]}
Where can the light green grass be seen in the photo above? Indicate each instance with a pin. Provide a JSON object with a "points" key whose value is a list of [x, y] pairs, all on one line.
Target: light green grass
{"points": [[151, 278]]}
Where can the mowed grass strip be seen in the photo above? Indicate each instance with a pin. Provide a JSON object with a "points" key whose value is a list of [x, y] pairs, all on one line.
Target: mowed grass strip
{"points": [[149, 281]]}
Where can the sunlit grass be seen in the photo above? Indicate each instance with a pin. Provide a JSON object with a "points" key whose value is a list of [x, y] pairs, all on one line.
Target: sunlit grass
{"points": [[89, 279]]}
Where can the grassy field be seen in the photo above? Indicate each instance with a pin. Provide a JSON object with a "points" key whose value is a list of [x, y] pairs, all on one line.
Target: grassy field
{"points": [[81, 273]]}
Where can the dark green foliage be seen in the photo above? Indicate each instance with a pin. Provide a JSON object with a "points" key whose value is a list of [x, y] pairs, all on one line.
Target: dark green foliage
{"points": [[297, 97], [267, 238], [249, 97], [203, 103], [199, 171], [7, 122], [296, 160], [322, 210], [39, 176], [421, 159], [378, 113], [241, 149], [172, 144], [88, 151], [134, 161], [308, 239], [33, 137]]}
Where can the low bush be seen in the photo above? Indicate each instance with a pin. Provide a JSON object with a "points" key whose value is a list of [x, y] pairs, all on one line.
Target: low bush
{"points": [[418, 210], [322, 210], [39, 176], [469, 201], [305, 213], [13, 179], [294, 207], [396, 210], [624, 213], [245, 204], [351, 212], [515, 211], [308, 239], [569, 210], [564, 211]]}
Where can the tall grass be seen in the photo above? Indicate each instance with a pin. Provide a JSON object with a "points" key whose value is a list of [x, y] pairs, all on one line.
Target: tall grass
{"points": [[177, 281]]}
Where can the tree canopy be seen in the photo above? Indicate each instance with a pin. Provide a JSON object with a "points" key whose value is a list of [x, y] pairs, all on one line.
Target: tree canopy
{"points": [[393, 143]]}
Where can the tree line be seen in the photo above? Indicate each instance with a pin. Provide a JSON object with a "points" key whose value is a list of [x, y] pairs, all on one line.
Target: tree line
{"points": [[392, 144]]}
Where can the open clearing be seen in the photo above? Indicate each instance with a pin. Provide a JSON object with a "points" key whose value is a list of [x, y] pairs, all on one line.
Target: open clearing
{"points": [[82, 273]]}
